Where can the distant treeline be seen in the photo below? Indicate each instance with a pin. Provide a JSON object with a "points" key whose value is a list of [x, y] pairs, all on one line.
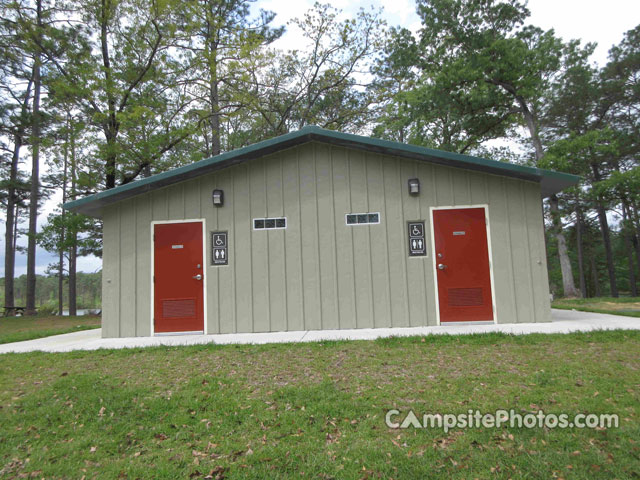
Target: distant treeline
{"points": [[89, 290], [99, 94]]}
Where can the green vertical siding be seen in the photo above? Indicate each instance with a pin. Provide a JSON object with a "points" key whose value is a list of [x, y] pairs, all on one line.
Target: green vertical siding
{"points": [[320, 273], [143, 265], [128, 272], [428, 199], [343, 238], [221, 281], [378, 243], [309, 239], [111, 272], [292, 241], [537, 249], [416, 288], [361, 245]]}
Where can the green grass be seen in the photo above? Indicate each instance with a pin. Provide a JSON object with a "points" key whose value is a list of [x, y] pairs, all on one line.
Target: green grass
{"points": [[626, 306], [18, 329], [624, 313], [317, 410]]}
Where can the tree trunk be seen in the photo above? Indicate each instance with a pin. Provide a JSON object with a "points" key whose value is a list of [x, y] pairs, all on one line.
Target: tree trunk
{"points": [[594, 276], [111, 126], [216, 146], [35, 179], [533, 129], [627, 232], [606, 235], [635, 238], [636, 248], [606, 239], [568, 285], [62, 229], [60, 283], [633, 287], [73, 253], [73, 295], [211, 52], [16, 221], [12, 206], [9, 249], [636, 222], [579, 221], [110, 165]]}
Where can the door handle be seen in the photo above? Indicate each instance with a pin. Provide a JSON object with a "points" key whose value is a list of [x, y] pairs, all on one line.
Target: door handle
{"points": [[441, 266], [198, 277]]}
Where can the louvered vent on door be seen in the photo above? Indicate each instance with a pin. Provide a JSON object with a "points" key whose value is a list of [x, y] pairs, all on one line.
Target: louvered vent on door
{"points": [[465, 297], [182, 308]]}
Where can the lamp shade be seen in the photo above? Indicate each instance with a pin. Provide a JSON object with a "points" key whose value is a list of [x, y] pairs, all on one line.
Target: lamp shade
{"points": [[414, 186], [218, 198]]}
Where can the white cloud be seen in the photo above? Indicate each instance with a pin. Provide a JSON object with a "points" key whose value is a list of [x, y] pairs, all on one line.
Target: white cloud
{"points": [[589, 20], [403, 10], [599, 21]]}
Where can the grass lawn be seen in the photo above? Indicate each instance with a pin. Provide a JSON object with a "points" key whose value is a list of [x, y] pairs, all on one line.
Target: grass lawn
{"points": [[628, 306], [17, 329], [317, 410]]}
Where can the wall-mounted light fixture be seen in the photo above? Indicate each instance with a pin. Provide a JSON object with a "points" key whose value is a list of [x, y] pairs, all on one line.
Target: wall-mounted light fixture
{"points": [[218, 198], [414, 186]]}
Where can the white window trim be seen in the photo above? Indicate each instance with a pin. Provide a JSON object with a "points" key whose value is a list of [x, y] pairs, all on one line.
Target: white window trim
{"points": [[253, 223], [359, 224]]}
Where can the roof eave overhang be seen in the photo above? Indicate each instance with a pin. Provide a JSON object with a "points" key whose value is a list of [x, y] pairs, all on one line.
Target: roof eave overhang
{"points": [[550, 182], [94, 204]]}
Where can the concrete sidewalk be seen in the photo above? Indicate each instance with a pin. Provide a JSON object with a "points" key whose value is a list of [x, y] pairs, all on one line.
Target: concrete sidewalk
{"points": [[563, 321]]}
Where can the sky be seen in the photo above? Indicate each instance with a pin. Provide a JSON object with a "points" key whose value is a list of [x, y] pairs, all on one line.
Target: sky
{"points": [[600, 21], [603, 22]]}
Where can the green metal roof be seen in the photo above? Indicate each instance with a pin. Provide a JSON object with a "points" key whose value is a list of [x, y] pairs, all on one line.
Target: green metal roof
{"points": [[551, 182]]}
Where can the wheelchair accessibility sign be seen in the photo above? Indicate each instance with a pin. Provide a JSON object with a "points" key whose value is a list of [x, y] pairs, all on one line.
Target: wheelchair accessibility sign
{"points": [[417, 244], [219, 253]]}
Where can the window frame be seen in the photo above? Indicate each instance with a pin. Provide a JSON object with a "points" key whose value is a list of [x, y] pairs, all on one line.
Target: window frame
{"points": [[347, 215], [264, 219]]}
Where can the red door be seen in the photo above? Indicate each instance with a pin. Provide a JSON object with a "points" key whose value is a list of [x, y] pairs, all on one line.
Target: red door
{"points": [[178, 277], [462, 261]]}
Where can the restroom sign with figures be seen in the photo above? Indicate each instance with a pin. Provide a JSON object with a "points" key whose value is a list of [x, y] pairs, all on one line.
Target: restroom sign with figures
{"points": [[417, 244], [219, 252]]}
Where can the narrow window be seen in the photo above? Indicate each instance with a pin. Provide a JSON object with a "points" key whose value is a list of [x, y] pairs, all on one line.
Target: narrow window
{"points": [[362, 218], [270, 223]]}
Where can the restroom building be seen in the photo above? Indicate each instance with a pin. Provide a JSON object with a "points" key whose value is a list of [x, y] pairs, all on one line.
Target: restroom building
{"points": [[318, 229]]}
